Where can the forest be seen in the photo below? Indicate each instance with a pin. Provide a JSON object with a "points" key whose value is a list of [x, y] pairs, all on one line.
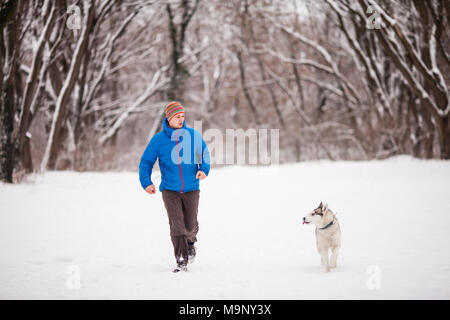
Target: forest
{"points": [[84, 83]]}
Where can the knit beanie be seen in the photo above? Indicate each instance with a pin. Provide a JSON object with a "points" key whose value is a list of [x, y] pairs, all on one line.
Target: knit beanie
{"points": [[172, 109]]}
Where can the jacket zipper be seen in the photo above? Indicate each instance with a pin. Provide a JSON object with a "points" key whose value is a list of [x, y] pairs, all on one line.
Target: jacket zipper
{"points": [[179, 163]]}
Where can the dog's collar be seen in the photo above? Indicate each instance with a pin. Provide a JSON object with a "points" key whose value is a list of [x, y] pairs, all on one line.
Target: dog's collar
{"points": [[328, 225]]}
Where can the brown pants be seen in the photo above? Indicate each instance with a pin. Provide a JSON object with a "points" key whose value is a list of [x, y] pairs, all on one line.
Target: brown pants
{"points": [[182, 210]]}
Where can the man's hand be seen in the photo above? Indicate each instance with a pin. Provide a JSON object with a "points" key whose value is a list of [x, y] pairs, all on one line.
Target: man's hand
{"points": [[150, 189], [200, 175]]}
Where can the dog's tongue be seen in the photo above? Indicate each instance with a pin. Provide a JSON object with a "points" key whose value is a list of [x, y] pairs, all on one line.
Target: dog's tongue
{"points": [[303, 222]]}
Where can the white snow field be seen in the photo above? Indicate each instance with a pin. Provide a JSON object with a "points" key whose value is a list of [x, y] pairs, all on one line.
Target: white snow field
{"points": [[69, 235]]}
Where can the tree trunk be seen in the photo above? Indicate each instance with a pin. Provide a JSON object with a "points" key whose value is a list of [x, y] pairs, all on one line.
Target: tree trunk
{"points": [[25, 156], [8, 149], [179, 73], [9, 50], [245, 88], [444, 138]]}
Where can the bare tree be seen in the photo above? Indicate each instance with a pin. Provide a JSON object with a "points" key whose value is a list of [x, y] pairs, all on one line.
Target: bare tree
{"points": [[414, 53], [51, 150]]}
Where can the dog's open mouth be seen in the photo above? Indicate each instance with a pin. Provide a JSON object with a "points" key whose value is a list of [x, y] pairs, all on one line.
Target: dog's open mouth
{"points": [[305, 222]]}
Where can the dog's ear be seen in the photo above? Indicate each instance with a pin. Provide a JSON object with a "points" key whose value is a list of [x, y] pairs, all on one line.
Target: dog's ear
{"points": [[320, 205], [324, 208]]}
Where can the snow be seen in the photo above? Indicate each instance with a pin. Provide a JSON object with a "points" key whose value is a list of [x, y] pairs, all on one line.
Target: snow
{"points": [[105, 231]]}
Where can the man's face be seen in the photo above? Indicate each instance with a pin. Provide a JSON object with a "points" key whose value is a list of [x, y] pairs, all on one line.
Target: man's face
{"points": [[177, 121]]}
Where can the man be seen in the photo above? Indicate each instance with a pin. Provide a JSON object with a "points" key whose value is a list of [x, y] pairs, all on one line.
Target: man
{"points": [[183, 161]]}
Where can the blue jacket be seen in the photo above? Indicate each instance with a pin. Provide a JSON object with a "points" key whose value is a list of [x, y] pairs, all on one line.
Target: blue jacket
{"points": [[181, 154]]}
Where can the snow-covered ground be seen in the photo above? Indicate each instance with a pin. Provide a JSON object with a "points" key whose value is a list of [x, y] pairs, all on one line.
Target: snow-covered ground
{"points": [[103, 232]]}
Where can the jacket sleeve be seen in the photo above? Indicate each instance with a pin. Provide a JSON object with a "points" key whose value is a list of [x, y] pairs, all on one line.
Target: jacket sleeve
{"points": [[148, 159], [205, 163]]}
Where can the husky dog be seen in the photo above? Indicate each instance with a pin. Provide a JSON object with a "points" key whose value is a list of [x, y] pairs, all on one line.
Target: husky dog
{"points": [[328, 234]]}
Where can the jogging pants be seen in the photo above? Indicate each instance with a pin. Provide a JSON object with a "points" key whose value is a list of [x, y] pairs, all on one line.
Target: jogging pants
{"points": [[182, 210]]}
